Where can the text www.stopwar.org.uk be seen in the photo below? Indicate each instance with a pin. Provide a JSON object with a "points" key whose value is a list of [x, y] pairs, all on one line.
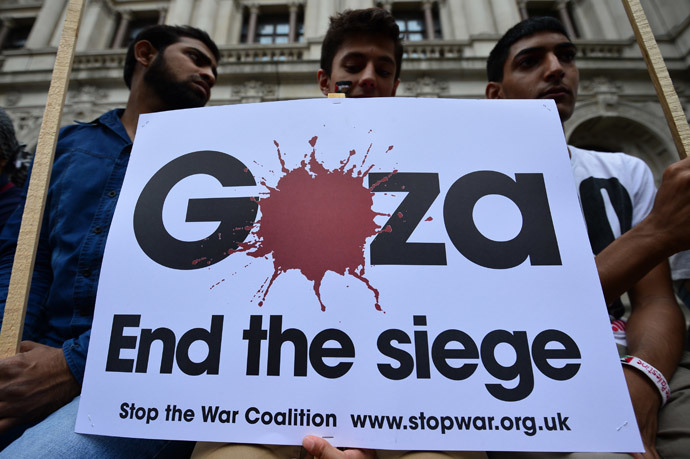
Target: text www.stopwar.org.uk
{"points": [[529, 425]]}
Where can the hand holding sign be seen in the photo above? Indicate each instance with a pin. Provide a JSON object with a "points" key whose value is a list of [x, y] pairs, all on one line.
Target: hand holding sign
{"points": [[33, 383], [319, 448]]}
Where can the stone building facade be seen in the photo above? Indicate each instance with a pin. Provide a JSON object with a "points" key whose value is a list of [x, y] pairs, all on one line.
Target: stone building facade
{"points": [[270, 51]]}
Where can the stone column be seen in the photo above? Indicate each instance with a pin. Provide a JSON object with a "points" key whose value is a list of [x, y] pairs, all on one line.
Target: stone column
{"points": [[455, 15], [562, 7], [162, 14], [205, 15], [294, 8], [387, 5], [506, 14], [223, 19], [428, 19], [89, 31], [251, 28], [125, 18], [602, 16], [46, 22], [179, 12], [479, 17], [523, 9]]}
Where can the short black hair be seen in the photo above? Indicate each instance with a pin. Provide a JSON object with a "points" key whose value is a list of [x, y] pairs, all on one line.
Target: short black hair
{"points": [[368, 21], [499, 55], [162, 36]]}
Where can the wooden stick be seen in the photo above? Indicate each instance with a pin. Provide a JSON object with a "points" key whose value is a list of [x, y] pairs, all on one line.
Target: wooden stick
{"points": [[675, 117], [22, 270]]}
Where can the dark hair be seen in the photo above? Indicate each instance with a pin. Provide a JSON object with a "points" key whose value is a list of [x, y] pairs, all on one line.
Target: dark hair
{"points": [[499, 55], [11, 151], [369, 21], [162, 36]]}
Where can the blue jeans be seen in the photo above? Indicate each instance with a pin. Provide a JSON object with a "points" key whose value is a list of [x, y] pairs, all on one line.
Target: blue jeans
{"points": [[54, 437], [683, 293]]}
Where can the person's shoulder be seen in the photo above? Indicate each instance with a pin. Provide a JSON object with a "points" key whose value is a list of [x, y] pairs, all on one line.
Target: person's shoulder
{"points": [[78, 130], [610, 160]]}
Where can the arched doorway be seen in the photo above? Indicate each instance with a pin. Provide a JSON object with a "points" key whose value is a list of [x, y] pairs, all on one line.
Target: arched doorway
{"points": [[622, 134]]}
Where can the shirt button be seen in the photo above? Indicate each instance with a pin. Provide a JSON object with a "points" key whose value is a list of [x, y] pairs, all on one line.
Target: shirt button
{"points": [[86, 272], [112, 194], [97, 230]]}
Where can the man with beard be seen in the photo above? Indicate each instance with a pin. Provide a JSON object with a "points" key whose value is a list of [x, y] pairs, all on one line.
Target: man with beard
{"points": [[166, 68]]}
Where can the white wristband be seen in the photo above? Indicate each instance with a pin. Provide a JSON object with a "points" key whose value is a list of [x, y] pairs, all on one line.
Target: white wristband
{"points": [[652, 373]]}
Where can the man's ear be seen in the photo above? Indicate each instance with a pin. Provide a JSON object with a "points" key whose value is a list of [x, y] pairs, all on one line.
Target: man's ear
{"points": [[144, 52], [395, 87], [494, 90], [324, 81]]}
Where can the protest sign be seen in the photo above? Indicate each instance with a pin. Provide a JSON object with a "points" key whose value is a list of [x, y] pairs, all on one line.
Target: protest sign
{"points": [[387, 273]]}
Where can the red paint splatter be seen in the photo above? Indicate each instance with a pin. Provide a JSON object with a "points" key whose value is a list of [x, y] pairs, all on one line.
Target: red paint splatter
{"points": [[216, 284], [400, 215], [366, 155], [316, 220], [384, 179], [198, 260], [389, 148], [428, 219]]}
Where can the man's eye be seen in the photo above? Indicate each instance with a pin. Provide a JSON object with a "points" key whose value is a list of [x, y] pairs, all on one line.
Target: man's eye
{"points": [[193, 56], [352, 68], [567, 56], [527, 62], [384, 73]]}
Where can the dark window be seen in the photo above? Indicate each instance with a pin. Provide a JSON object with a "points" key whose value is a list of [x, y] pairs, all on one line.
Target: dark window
{"points": [[412, 21], [136, 25], [129, 27], [17, 34], [272, 27], [411, 26]]}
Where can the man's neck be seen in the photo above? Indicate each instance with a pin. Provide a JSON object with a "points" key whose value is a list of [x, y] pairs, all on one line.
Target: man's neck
{"points": [[140, 101]]}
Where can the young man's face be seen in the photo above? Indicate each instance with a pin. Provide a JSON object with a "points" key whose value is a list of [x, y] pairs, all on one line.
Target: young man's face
{"points": [[368, 61], [183, 74], [540, 66]]}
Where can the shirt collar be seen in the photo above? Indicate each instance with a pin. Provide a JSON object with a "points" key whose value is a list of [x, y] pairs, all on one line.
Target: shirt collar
{"points": [[111, 120]]}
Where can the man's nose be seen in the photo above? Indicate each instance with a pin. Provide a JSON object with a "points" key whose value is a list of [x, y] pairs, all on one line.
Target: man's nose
{"points": [[208, 75], [367, 79], [554, 67]]}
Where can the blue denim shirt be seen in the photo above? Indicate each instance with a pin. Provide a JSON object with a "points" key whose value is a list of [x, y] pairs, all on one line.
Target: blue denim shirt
{"points": [[89, 167]]}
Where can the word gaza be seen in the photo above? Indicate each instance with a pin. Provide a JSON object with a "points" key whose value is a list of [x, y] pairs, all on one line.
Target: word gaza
{"points": [[236, 216]]}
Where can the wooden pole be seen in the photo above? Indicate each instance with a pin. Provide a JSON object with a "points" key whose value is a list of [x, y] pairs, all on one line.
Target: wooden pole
{"points": [[22, 270], [675, 117]]}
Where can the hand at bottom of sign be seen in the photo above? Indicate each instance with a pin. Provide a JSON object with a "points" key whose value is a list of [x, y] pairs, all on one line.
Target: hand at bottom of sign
{"points": [[319, 448], [33, 384]]}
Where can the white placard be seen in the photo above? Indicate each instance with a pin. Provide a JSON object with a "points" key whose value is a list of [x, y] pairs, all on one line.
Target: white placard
{"points": [[388, 273]]}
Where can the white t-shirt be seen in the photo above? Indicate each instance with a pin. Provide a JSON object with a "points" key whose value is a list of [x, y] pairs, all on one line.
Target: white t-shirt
{"points": [[616, 192], [680, 266]]}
